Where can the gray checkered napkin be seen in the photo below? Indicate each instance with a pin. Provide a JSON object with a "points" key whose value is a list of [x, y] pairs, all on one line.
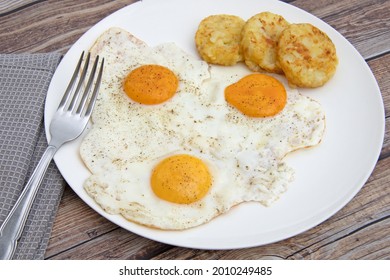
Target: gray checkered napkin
{"points": [[24, 80]]}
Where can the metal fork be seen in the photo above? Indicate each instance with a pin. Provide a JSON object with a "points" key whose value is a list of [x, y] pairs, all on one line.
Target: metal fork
{"points": [[68, 123]]}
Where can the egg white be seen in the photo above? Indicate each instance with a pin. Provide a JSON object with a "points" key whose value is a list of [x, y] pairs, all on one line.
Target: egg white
{"points": [[127, 139]]}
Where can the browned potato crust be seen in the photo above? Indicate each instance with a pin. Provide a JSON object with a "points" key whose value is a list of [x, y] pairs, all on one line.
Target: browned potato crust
{"points": [[260, 37], [307, 55], [218, 39]]}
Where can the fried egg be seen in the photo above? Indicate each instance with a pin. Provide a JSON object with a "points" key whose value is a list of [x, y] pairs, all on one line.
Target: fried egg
{"points": [[177, 157]]}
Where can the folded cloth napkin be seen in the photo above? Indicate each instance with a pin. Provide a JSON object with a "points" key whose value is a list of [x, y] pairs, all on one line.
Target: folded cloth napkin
{"points": [[24, 81]]}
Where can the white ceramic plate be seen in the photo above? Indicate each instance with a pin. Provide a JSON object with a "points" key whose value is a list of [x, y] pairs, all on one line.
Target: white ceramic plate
{"points": [[327, 176]]}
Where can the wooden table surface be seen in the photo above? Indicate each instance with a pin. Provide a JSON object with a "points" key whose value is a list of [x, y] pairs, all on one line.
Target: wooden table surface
{"points": [[361, 230]]}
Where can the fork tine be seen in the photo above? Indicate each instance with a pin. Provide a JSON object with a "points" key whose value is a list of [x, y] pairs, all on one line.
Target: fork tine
{"points": [[95, 90], [71, 83], [87, 89], [75, 97]]}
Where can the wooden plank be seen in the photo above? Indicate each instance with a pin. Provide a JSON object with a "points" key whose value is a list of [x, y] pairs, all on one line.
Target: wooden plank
{"points": [[386, 142], [366, 24], [75, 224], [8, 6], [55, 25], [117, 244], [381, 69]]}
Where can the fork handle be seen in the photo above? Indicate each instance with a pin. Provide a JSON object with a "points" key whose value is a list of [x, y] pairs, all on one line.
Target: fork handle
{"points": [[12, 227]]}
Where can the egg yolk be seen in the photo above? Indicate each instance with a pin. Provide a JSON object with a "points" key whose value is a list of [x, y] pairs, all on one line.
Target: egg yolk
{"points": [[150, 84], [181, 179], [257, 95]]}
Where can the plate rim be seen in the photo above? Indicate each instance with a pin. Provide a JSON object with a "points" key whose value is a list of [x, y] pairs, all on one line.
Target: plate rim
{"points": [[137, 229]]}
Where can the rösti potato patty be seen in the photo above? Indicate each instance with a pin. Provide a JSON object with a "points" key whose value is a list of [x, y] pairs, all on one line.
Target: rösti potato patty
{"points": [[218, 39], [260, 37], [306, 55]]}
